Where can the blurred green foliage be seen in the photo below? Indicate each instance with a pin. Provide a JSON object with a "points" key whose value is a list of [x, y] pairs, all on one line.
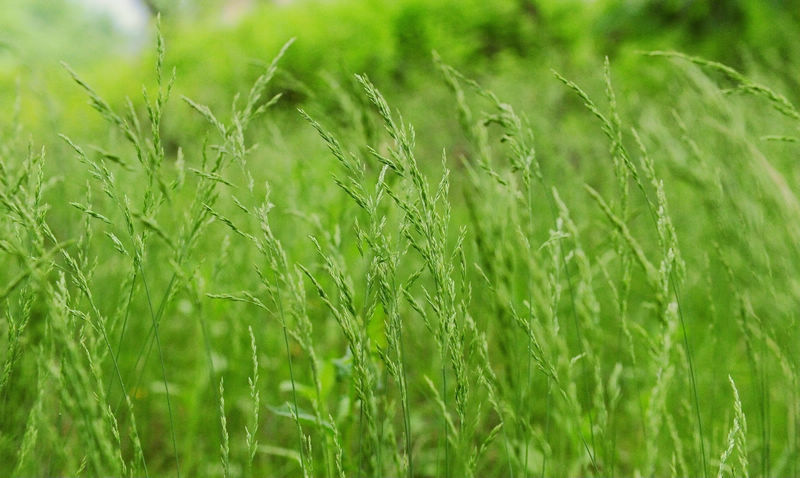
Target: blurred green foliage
{"points": [[388, 40]]}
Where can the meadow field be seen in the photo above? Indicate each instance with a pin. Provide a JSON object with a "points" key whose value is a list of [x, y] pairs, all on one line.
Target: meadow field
{"points": [[403, 239]]}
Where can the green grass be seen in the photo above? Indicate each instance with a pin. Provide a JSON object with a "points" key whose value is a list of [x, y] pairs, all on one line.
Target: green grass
{"points": [[550, 275]]}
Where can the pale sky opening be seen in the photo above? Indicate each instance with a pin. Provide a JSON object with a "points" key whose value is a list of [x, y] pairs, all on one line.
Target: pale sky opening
{"points": [[129, 16]]}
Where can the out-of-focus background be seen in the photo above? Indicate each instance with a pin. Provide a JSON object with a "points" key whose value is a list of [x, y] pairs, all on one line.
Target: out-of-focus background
{"points": [[219, 46]]}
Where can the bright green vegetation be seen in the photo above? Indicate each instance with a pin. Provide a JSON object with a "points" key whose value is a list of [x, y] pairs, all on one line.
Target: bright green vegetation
{"points": [[529, 273]]}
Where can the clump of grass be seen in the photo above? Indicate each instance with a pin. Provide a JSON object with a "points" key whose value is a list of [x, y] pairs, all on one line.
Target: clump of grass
{"points": [[524, 303]]}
